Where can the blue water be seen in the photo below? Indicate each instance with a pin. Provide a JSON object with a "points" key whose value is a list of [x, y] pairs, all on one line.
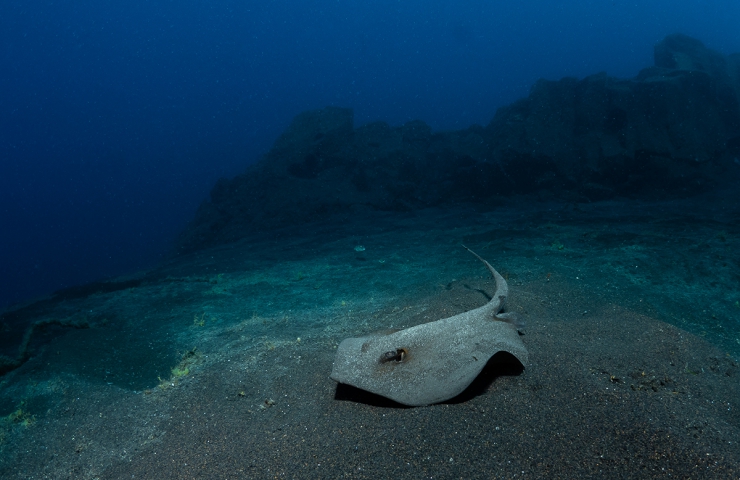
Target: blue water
{"points": [[117, 118]]}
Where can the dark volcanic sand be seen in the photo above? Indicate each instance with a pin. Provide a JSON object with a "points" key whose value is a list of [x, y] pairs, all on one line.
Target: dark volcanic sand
{"points": [[611, 390]]}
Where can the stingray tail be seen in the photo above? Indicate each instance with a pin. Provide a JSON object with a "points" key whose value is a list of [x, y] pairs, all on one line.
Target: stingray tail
{"points": [[502, 289]]}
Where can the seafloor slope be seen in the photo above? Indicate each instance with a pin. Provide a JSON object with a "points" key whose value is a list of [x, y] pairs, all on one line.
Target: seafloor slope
{"points": [[216, 364]]}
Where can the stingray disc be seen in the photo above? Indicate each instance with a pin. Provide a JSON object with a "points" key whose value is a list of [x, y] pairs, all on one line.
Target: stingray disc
{"points": [[432, 362]]}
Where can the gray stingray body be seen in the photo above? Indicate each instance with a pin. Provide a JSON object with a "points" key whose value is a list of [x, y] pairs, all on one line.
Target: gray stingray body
{"points": [[432, 362]]}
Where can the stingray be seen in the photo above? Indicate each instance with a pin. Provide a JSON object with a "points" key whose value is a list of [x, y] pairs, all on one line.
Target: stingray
{"points": [[434, 361]]}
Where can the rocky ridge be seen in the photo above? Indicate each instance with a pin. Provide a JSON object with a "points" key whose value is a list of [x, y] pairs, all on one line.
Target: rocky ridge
{"points": [[673, 130]]}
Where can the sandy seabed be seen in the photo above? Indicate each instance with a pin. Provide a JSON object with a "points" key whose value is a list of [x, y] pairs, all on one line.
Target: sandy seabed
{"points": [[216, 364]]}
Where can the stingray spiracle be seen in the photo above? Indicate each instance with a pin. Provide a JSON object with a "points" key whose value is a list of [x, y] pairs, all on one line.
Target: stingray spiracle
{"points": [[397, 355]]}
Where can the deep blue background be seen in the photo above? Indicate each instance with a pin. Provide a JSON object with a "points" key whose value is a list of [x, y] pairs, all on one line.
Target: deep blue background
{"points": [[117, 117]]}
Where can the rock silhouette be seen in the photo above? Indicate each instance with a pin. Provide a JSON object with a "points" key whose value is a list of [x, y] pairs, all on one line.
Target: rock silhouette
{"points": [[673, 130]]}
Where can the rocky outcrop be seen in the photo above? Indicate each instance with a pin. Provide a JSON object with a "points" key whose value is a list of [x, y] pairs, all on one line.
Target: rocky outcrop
{"points": [[672, 130], [669, 130]]}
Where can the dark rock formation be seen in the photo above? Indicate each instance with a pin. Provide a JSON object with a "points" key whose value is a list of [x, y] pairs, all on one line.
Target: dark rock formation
{"points": [[672, 130]]}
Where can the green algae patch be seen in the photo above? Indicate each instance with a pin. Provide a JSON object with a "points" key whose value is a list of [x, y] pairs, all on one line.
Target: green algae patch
{"points": [[21, 417], [182, 369]]}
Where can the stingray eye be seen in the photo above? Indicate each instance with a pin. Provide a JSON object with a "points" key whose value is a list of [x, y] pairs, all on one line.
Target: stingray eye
{"points": [[397, 355]]}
